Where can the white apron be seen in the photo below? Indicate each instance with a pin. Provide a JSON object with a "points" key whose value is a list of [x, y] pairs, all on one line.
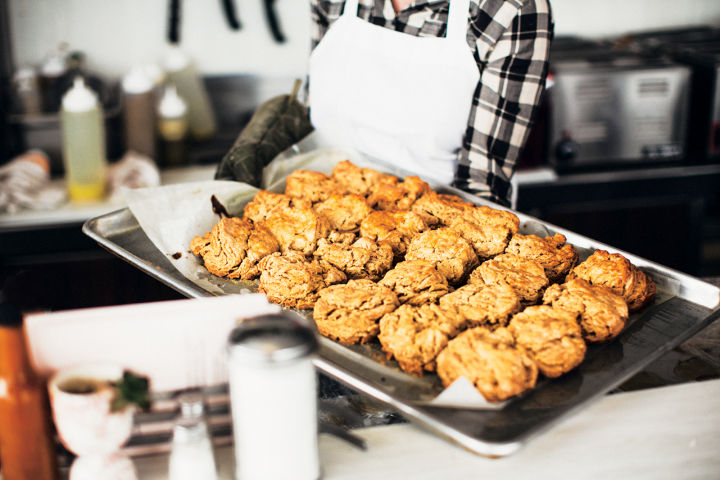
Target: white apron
{"points": [[396, 97]]}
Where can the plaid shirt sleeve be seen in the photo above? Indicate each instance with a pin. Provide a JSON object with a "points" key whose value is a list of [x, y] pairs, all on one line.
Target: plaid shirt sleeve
{"points": [[510, 40], [513, 41]]}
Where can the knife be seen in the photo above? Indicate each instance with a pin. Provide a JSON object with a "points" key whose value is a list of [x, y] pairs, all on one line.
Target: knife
{"points": [[272, 20]]}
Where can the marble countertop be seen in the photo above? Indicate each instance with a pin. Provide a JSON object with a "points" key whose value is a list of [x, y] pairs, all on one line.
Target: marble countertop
{"points": [[662, 433]]}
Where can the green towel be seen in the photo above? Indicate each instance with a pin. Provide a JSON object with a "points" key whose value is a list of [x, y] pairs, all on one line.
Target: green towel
{"points": [[276, 125]]}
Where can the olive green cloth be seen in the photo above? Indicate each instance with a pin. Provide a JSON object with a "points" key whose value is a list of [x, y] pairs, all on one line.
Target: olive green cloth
{"points": [[276, 125]]}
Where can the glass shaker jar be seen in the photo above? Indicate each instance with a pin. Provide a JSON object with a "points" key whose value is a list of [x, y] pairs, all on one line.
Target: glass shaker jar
{"points": [[191, 455], [273, 397]]}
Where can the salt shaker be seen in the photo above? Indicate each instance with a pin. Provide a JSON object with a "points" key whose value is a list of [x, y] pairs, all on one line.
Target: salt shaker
{"points": [[273, 396], [191, 454]]}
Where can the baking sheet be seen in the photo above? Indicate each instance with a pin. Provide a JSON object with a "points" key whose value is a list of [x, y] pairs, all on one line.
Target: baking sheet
{"points": [[684, 306]]}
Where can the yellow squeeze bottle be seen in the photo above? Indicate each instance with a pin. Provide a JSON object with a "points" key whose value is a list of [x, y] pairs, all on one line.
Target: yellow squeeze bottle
{"points": [[83, 135]]}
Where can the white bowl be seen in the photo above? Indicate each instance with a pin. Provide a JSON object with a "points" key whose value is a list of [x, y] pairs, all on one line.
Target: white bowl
{"points": [[84, 422]]}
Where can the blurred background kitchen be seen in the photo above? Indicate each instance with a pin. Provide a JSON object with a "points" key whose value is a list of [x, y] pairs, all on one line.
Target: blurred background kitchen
{"points": [[626, 148]]}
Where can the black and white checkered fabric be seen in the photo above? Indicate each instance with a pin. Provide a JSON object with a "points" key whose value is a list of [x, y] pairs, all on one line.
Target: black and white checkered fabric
{"points": [[510, 41]]}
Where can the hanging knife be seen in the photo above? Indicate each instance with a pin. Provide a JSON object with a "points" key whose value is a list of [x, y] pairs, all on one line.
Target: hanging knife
{"points": [[174, 22], [231, 15], [272, 20]]}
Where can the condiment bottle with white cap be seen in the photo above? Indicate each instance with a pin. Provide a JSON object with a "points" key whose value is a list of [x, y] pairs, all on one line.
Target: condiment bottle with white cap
{"points": [[273, 398], [51, 70], [184, 76], [27, 90], [191, 454], [172, 126], [83, 142], [139, 112]]}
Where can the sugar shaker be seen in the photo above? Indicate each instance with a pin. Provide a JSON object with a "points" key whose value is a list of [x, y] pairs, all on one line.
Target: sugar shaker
{"points": [[273, 397]]}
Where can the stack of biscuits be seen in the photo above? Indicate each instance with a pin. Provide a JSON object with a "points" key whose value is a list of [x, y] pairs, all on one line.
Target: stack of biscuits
{"points": [[444, 285]]}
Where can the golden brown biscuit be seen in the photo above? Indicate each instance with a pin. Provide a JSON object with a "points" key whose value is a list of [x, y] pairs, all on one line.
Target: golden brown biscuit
{"points": [[399, 196], [491, 360], [416, 282], [614, 271], [349, 313], [487, 240], [344, 212], [361, 181], [362, 259], [293, 281], [297, 229], [312, 186], [483, 305], [344, 238], [552, 336], [603, 313], [552, 253], [492, 216], [452, 255], [436, 208], [394, 228], [525, 276], [265, 203], [415, 335], [234, 247]]}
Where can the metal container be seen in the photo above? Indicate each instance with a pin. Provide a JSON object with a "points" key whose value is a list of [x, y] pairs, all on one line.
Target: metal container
{"points": [[273, 398], [617, 108], [699, 49]]}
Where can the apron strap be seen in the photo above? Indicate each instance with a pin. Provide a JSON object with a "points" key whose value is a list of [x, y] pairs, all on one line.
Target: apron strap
{"points": [[351, 8], [458, 17]]}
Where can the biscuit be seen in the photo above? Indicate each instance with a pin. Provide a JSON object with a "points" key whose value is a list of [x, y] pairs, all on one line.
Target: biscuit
{"points": [[362, 181], [496, 366], [483, 305], [452, 255], [264, 203], [526, 277], [398, 196], [602, 313], [293, 281], [344, 212], [436, 208], [396, 229], [349, 313], [552, 336], [297, 229], [487, 240], [362, 259], [615, 272], [552, 253], [312, 186], [234, 247], [415, 335], [485, 215], [416, 282]]}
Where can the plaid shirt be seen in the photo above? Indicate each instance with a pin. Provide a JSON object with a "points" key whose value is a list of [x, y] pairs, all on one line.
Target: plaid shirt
{"points": [[510, 42]]}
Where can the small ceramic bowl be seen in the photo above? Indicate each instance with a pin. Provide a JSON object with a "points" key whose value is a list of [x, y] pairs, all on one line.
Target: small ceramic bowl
{"points": [[80, 400]]}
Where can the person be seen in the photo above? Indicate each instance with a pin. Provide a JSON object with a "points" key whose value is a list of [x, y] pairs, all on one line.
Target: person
{"points": [[444, 88]]}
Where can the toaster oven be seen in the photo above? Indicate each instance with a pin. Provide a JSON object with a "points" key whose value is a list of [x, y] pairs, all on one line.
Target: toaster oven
{"points": [[699, 49], [610, 108]]}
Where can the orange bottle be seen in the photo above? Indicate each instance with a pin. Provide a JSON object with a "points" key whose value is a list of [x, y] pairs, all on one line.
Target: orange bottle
{"points": [[27, 448]]}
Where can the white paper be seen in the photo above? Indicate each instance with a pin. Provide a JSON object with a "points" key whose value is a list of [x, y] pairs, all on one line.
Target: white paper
{"points": [[171, 216], [462, 393]]}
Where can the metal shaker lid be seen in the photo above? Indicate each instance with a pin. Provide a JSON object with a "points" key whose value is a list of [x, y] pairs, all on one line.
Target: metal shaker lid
{"points": [[271, 339]]}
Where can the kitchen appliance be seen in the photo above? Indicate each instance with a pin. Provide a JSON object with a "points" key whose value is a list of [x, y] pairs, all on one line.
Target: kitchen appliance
{"points": [[699, 49], [615, 108]]}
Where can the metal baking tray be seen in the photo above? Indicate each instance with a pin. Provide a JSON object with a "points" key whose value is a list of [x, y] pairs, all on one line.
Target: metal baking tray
{"points": [[683, 307]]}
